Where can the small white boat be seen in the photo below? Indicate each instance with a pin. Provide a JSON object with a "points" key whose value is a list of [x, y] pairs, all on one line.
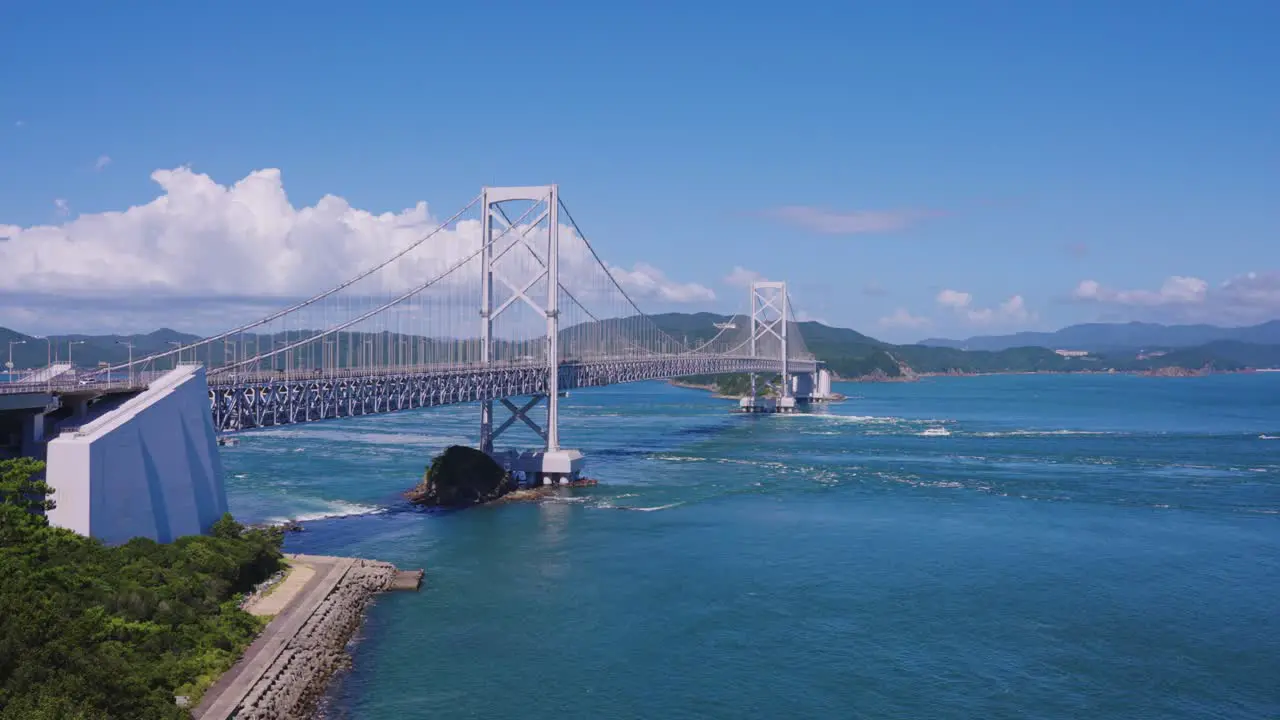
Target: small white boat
{"points": [[936, 432]]}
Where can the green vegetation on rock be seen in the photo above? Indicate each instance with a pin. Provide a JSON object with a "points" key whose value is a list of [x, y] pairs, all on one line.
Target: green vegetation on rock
{"points": [[89, 631], [458, 477]]}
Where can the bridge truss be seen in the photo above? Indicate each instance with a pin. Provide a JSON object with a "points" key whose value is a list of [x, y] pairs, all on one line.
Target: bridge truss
{"points": [[504, 299]]}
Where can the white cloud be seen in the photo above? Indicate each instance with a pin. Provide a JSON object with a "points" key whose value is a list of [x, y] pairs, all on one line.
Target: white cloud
{"points": [[1252, 292], [644, 281], [742, 277], [245, 245], [19, 123], [845, 223], [1247, 298], [62, 206], [954, 299], [1013, 310], [1176, 289], [901, 318], [102, 162]]}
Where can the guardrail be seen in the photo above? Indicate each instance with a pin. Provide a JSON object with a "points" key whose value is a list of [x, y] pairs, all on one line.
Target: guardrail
{"points": [[83, 381]]}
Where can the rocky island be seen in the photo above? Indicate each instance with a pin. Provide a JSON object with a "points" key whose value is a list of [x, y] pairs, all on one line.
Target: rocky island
{"points": [[462, 477]]}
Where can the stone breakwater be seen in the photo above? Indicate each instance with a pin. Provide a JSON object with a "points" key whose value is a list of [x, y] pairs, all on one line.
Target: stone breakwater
{"points": [[296, 681], [284, 673]]}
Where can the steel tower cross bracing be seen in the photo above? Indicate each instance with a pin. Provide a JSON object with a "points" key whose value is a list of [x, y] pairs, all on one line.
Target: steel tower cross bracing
{"points": [[491, 199], [768, 298]]}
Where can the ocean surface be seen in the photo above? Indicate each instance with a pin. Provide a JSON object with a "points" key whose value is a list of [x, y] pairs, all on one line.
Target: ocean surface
{"points": [[1071, 547]]}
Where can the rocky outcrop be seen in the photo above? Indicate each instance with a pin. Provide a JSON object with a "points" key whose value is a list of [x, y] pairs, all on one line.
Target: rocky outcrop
{"points": [[296, 680], [461, 476]]}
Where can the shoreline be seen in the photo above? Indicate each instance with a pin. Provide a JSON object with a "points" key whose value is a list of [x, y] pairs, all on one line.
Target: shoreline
{"points": [[315, 610], [699, 386], [1166, 372]]}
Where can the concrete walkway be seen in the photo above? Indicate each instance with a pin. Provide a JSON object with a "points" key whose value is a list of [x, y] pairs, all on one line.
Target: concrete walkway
{"points": [[300, 573], [221, 700]]}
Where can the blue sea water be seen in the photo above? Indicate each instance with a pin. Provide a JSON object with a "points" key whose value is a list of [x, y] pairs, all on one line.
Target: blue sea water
{"points": [[1075, 546]]}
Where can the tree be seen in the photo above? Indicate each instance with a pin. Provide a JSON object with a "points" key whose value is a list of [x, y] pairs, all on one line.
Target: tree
{"points": [[22, 484]]}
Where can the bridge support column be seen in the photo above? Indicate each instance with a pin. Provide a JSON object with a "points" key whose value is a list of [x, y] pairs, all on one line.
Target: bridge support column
{"points": [[486, 314], [814, 387], [552, 463], [769, 331]]}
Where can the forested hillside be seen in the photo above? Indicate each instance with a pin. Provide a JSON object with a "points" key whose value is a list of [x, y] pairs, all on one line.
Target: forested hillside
{"points": [[95, 632]]}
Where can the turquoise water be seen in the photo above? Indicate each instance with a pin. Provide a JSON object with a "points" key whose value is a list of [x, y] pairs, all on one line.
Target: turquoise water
{"points": [[1076, 546]]}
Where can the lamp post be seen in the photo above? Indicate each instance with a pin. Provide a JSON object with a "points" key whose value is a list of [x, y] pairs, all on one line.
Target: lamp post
{"points": [[128, 344], [8, 366], [48, 355], [69, 344]]}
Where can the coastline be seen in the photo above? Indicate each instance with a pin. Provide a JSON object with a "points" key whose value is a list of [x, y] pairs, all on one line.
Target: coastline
{"points": [[1164, 372], [711, 388], [315, 608]]}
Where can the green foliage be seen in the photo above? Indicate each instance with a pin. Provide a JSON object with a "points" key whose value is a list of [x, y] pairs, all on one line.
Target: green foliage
{"points": [[89, 631], [22, 484], [876, 361], [735, 384], [460, 476]]}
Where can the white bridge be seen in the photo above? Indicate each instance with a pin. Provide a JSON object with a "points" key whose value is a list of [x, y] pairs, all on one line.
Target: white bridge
{"points": [[505, 299], [506, 304]]}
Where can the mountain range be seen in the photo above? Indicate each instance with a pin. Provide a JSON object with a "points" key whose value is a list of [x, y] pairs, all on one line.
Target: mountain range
{"points": [[1104, 337], [849, 353]]}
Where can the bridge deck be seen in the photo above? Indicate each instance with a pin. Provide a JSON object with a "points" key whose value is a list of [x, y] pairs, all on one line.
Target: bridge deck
{"points": [[284, 398]]}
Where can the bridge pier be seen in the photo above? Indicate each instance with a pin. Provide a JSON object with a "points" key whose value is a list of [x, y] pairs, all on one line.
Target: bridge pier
{"points": [[542, 467], [814, 387]]}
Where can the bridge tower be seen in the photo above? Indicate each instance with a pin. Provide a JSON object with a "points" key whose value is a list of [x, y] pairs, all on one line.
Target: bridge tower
{"points": [[552, 463], [769, 313]]}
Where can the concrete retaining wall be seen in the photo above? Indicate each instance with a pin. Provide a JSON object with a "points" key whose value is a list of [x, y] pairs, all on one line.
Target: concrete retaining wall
{"points": [[149, 468]]}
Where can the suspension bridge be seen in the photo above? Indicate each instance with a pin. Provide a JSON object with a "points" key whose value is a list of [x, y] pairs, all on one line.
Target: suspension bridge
{"points": [[506, 303]]}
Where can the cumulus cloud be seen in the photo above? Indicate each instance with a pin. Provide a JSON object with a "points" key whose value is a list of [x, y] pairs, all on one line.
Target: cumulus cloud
{"points": [[1247, 298], [742, 277], [902, 318], [1176, 289], [954, 299], [646, 281], [852, 222], [102, 162], [246, 246], [62, 206], [1013, 310]]}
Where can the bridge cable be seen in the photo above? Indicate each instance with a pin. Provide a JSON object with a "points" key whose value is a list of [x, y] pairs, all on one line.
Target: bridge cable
{"points": [[373, 312], [302, 304]]}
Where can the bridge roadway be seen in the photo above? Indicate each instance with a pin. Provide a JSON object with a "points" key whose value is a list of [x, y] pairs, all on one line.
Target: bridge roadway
{"points": [[265, 399]]}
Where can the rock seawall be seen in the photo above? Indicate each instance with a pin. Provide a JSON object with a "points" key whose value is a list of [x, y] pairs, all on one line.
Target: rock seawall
{"points": [[296, 680]]}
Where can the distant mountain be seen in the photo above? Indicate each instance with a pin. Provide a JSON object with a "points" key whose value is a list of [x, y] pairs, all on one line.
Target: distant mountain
{"points": [[848, 353], [1102, 337], [852, 354], [88, 350]]}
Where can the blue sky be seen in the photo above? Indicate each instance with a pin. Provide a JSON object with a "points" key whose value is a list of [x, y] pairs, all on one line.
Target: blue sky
{"points": [[912, 169]]}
